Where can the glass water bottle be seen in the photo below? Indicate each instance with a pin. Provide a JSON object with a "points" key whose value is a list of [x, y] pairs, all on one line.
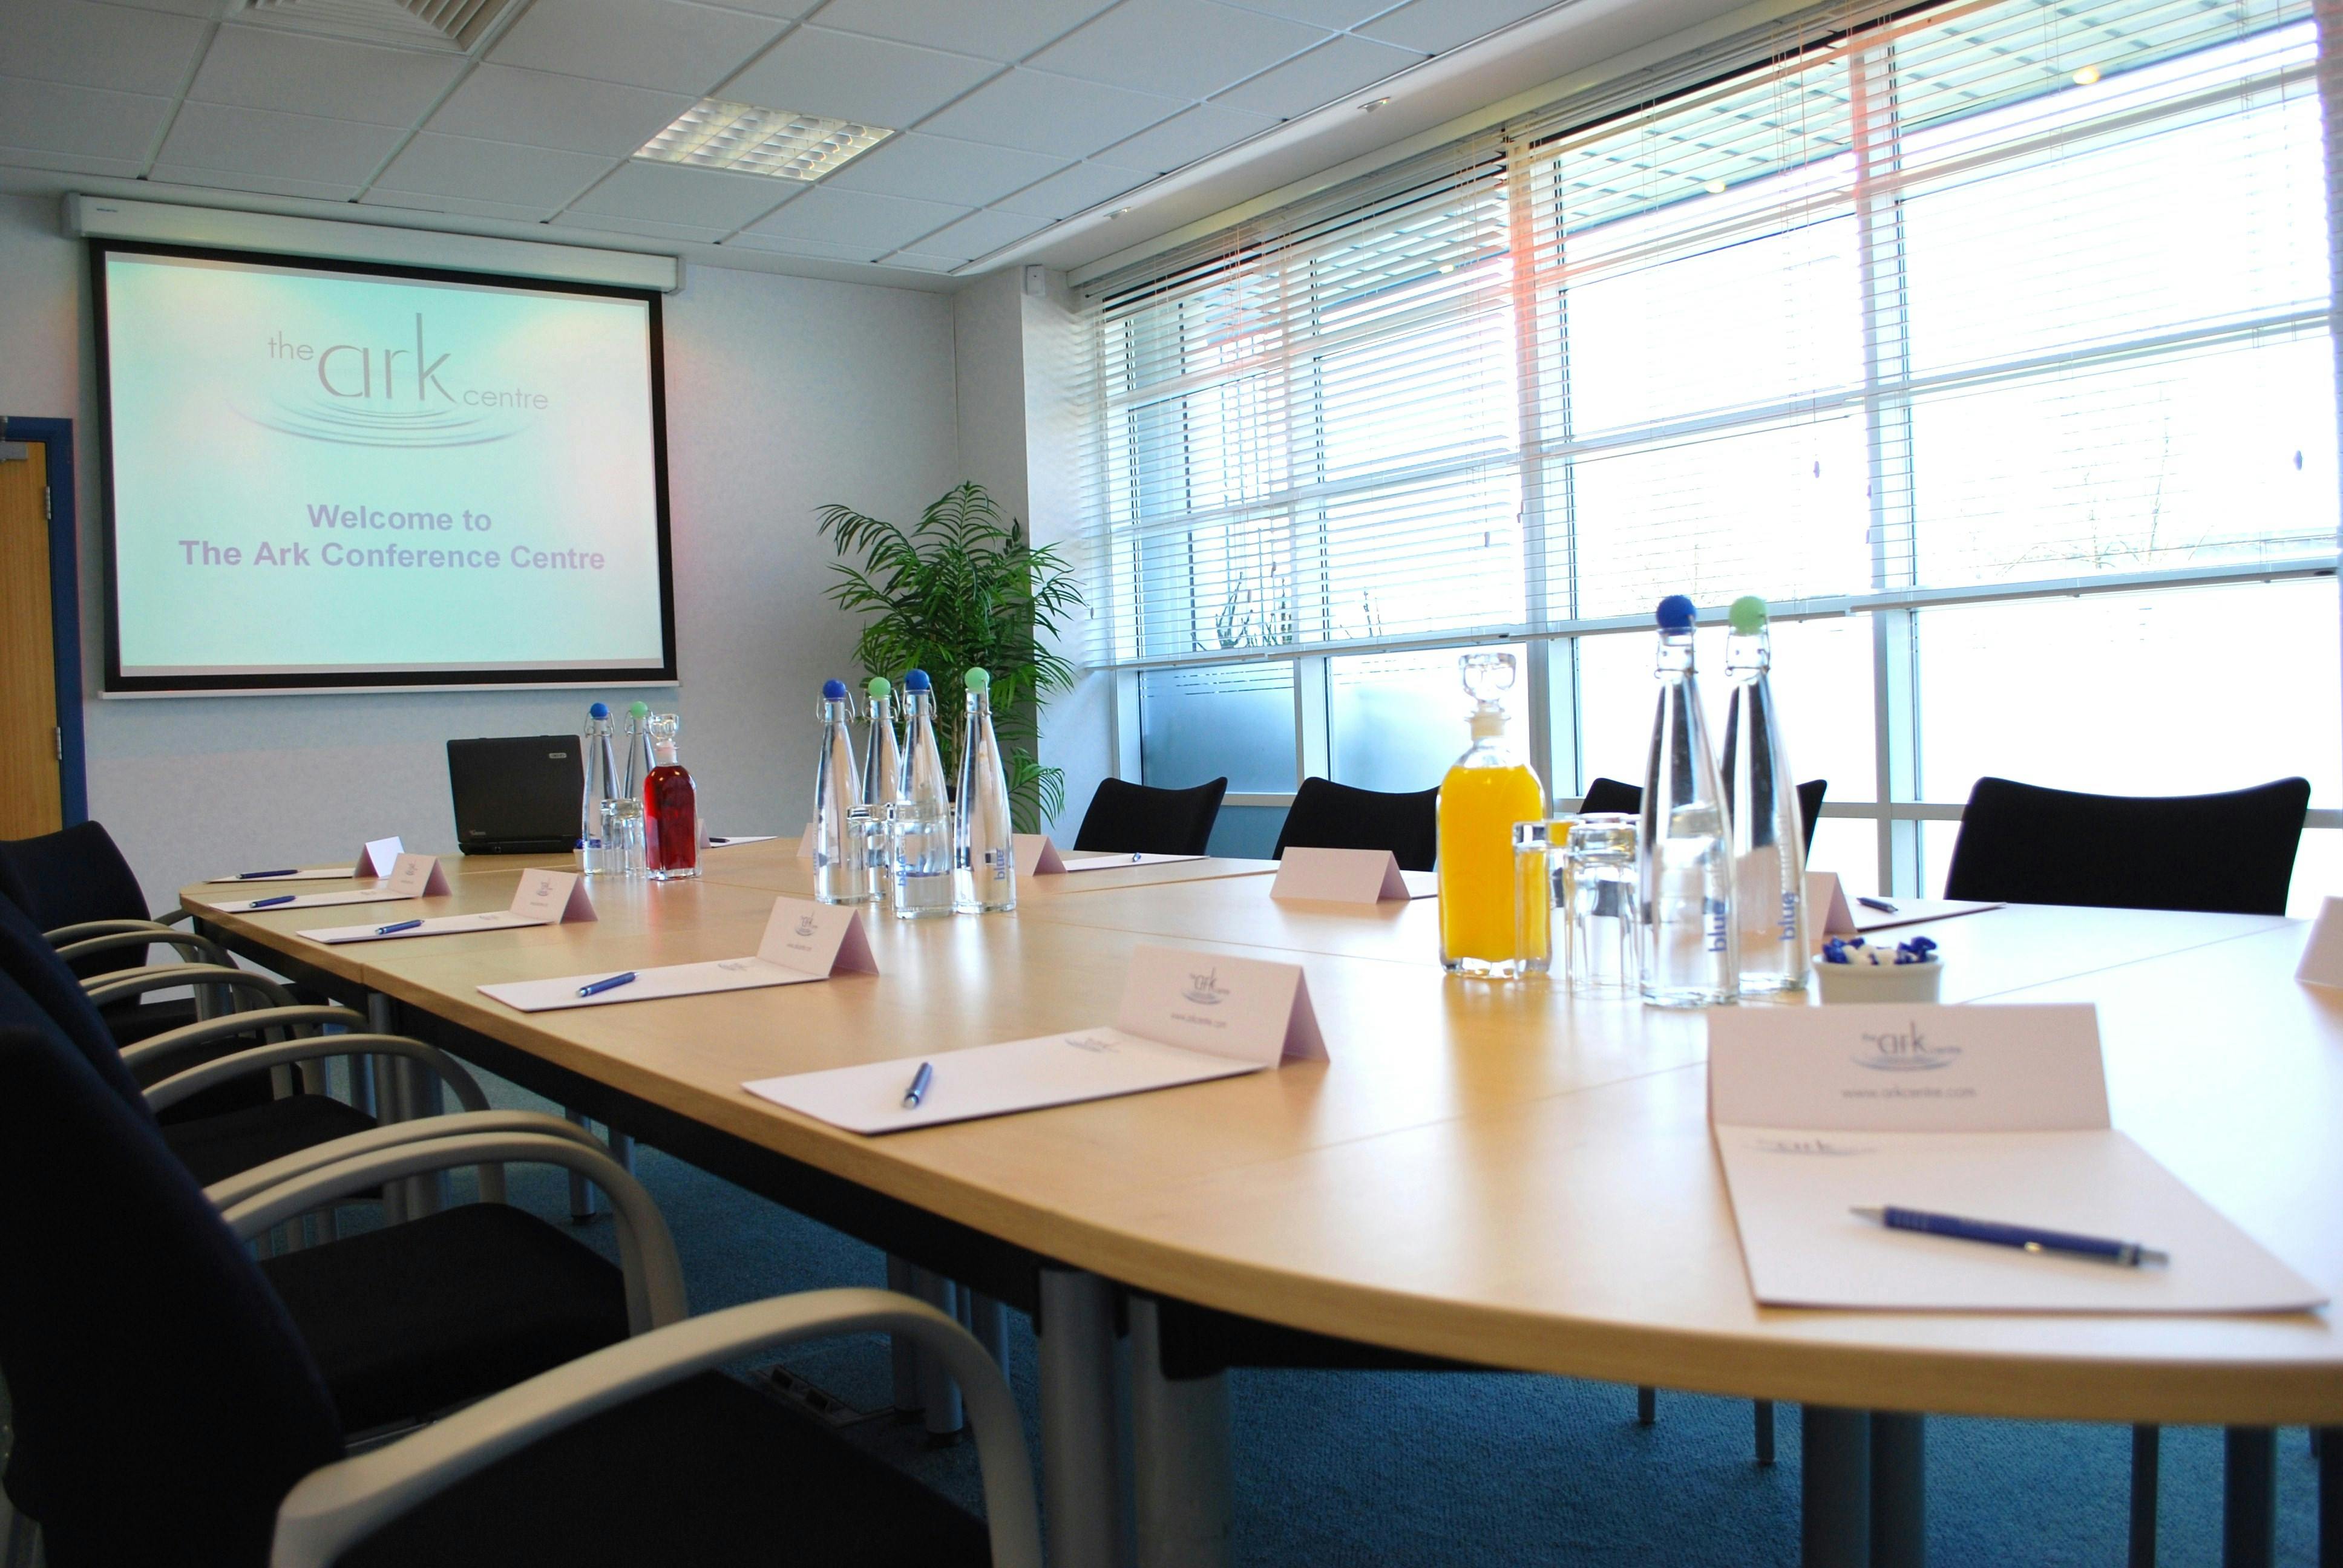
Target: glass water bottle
{"points": [[919, 822], [981, 826], [1683, 857], [670, 806], [1484, 794], [1761, 799], [602, 786], [841, 845]]}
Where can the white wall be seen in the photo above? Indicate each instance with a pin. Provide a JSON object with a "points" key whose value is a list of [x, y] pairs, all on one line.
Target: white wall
{"points": [[782, 394]]}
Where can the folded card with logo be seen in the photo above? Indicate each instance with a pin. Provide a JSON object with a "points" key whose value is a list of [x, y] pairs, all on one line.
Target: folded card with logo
{"points": [[2322, 955], [544, 899], [373, 860], [803, 941], [1346, 877], [411, 877], [1186, 1017], [1037, 856], [1991, 1114]]}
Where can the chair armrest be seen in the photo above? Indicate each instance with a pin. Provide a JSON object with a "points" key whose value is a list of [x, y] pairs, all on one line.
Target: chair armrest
{"points": [[64, 934], [106, 990], [655, 1293], [173, 915], [333, 1508], [186, 1037], [194, 949], [219, 1070], [245, 1184]]}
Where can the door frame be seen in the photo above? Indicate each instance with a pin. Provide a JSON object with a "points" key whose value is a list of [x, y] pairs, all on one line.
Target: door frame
{"points": [[64, 605]]}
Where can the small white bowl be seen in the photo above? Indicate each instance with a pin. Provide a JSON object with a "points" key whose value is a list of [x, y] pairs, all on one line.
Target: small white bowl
{"points": [[1878, 983]]}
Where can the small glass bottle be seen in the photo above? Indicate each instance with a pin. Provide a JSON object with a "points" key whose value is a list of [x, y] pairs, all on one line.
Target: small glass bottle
{"points": [[981, 829], [841, 846], [1683, 854], [883, 782], [603, 785], [1761, 799], [1484, 794], [670, 806], [626, 826], [919, 822]]}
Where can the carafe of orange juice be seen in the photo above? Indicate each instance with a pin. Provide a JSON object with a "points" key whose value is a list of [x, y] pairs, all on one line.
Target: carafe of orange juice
{"points": [[1484, 794]]}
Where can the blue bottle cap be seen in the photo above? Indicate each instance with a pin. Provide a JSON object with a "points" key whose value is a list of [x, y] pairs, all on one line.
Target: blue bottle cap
{"points": [[600, 710], [1675, 613], [833, 691], [917, 682]]}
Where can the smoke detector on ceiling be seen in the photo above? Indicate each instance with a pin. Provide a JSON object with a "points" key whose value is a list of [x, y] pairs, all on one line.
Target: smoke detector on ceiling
{"points": [[448, 26]]}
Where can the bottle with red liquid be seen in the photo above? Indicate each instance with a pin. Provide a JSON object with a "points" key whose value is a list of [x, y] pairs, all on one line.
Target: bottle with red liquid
{"points": [[670, 805]]}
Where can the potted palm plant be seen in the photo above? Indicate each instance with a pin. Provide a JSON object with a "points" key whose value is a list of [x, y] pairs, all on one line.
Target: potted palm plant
{"points": [[961, 589]]}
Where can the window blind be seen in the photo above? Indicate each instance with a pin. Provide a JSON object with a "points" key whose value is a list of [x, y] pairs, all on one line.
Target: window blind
{"points": [[1972, 296]]}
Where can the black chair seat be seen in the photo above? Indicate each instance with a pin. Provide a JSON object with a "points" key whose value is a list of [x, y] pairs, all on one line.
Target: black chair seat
{"points": [[133, 1022], [1330, 816], [411, 1319], [220, 1146], [1140, 819], [706, 1472]]}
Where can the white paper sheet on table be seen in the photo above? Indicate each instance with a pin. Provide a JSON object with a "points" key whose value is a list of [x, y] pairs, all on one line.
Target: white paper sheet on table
{"points": [[1836, 914], [411, 877], [803, 941], [1037, 855], [544, 898], [1988, 1113], [378, 858], [718, 842], [1186, 1017]]}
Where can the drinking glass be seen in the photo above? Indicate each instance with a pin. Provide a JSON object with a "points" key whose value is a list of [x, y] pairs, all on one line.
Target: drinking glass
{"points": [[1533, 902], [1599, 893]]}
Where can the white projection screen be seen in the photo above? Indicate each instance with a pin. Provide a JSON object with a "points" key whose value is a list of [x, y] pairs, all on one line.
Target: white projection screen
{"points": [[323, 474]]}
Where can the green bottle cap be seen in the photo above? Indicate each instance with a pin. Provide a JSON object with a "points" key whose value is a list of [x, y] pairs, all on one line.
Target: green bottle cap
{"points": [[637, 709], [1748, 614], [978, 681], [879, 686]]}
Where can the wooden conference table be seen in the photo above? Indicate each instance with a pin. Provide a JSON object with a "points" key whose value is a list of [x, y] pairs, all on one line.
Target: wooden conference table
{"points": [[1488, 1173]]}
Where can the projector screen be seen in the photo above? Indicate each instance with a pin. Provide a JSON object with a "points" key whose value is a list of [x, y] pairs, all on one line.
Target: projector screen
{"points": [[332, 474]]}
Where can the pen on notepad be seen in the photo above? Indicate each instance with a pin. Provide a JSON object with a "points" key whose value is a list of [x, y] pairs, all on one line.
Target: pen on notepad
{"points": [[597, 986], [918, 1089], [255, 876], [2025, 1238], [279, 899], [1882, 905], [401, 926]]}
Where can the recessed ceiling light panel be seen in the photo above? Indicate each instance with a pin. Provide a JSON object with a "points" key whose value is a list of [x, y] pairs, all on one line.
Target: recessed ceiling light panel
{"points": [[746, 139]]}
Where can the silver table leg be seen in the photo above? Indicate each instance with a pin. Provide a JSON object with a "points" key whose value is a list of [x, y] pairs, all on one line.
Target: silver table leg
{"points": [[988, 1319], [1835, 1488], [1183, 1486], [904, 1354], [1899, 1504], [1081, 1471], [581, 1192], [939, 1395]]}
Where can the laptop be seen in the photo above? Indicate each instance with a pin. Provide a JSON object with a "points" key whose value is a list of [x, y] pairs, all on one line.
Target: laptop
{"points": [[517, 794]]}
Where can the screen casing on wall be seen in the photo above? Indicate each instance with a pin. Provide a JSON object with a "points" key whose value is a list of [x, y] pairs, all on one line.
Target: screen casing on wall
{"points": [[326, 475]]}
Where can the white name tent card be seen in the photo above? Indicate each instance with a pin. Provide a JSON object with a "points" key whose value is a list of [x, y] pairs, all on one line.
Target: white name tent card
{"points": [[544, 899], [1826, 906], [803, 941], [1995, 1113], [373, 860], [1186, 1017], [1037, 856], [2322, 955], [1342, 877], [411, 877], [379, 857]]}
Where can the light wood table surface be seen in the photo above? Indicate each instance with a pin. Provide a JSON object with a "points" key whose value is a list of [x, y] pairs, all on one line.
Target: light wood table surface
{"points": [[1494, 1172]]}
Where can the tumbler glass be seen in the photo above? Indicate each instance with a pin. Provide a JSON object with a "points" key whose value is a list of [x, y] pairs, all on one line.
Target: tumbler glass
{"points": [[1532, 902], [1600, 892]]}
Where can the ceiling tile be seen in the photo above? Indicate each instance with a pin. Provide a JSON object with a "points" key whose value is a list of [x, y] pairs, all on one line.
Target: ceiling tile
{"points": [[423, 201], [1435, 26], [50, 116], [205, 9], [938, 168], [1046, 113], [258, 185], [1190, 48], [1074, 190], [871, 80], [1318, 78], [874, 224], [605, 223], [1334, 14], [72, 163], [655, 43], [98, 46], [1182, 139], [979, 234], [280, 146], [265, 68], [539, 109], [695, 198], [537, 177], [919, 262], [995, 29]]}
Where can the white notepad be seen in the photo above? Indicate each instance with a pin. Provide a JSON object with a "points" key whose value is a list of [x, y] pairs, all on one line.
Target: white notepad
{"points": [[803, 941], [1995, 1113], [374, 860], [544, 899], [411, 877], [1186, 1017], [1038, 856]]}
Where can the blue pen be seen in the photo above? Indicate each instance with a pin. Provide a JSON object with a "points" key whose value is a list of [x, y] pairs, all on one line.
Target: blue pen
{"points": [[1882, 905], [2025, 1238], [255, 876], [279, 899], [918, 1089], [401, 926], [597, 986]]}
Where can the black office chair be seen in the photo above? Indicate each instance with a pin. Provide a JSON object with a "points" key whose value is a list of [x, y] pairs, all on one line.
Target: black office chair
{"points": [[2230, 853], [1330, 816], [169, 1411], [1137, 818], [77, 878], [1610, 795]]}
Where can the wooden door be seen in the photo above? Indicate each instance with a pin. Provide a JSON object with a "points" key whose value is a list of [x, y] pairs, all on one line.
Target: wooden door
{"points": [[29, 741]]}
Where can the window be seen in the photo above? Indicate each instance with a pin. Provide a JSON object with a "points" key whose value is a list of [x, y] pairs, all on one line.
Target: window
{"points": [[1989, 341]]}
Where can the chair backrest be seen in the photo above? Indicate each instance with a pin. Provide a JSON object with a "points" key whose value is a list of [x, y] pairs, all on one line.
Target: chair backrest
{"points": [[1610, 795], [78, 874], [1330, 816], [1140, 819], [36, 973], [2230, 853], [162, 1401]]}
